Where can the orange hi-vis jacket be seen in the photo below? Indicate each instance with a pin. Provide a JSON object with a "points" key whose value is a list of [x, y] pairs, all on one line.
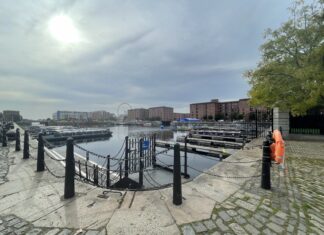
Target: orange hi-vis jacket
{"points": [[278, 147]]}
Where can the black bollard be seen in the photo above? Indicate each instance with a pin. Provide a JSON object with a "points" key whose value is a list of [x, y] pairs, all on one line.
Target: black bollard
{"points": [[95, 175], [126, 157], [26, 145], [69, 170], [108, 172], [40, 153], [177, 192], [18, 140], [266, 160], [154, 151], [140, 180], [4, 137], [186, 159]]}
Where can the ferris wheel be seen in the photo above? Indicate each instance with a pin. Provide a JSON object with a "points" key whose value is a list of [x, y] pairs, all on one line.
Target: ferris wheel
{"points": [[122, 110]]}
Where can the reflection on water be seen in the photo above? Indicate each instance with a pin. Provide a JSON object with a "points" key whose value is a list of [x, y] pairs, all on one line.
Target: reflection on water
{"points": [[113, 145]]}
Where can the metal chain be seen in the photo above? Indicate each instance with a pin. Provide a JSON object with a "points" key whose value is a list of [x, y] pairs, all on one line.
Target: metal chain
{"points": [[56, 176], [58, 160]]}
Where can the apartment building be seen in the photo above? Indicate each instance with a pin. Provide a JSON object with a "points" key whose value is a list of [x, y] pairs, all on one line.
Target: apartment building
{"points": [[164, 114], [138, 114], [215, 108], [177, 116]]}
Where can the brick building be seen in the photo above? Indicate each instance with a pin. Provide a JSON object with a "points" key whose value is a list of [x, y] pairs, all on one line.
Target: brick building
{"points": [[177, 116], [138, 114], [164, 114], [222, 110]]}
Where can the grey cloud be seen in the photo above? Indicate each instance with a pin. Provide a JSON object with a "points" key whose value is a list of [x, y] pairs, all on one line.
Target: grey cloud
{"points": [[146, 53]]}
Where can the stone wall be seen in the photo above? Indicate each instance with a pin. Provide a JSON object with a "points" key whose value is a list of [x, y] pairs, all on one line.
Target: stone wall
{"points": [[281, 119]]}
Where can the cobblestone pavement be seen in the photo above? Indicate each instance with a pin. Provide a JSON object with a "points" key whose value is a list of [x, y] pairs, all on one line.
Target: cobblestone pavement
{"points": [[294, 205], [4, 164], [11, 224]]}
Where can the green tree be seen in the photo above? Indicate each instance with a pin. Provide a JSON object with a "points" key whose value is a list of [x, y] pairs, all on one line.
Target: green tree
{"points": [[291, 72]]}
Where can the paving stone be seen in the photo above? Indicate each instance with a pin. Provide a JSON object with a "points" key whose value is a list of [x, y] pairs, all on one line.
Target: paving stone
{"points": [[237, 229], [21, 224], [290, 228], [187, 230], [210, 224], [1, 221], [246, 205], [224, 216], [214, 216], [216, 233], [22, 231], [274, 227], [92, 232], [299, 232], [231, 213], [243, 212], [7, 231], [8, 218], [13, 222], [302, 227], [260, 218], [267, 232], [251, 229], [221, 225], [277, 220], [199, 227], [34, 231], [255, 223], [2, 227], [240, 220], [268, 209], [281, 215], [53, 231]]}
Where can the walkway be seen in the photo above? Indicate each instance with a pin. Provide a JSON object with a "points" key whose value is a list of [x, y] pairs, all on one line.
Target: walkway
{"points": [[228, 199], [293, 206]]}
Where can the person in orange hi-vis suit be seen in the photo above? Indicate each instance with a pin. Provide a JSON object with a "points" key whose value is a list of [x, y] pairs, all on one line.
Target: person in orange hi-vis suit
{"points": [[278, 147]]}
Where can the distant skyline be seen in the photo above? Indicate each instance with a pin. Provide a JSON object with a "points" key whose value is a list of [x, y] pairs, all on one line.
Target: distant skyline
{"points": [[93, 55]]}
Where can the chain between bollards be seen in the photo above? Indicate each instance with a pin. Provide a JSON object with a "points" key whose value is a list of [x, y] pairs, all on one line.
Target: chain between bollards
{"points": [[69, 188], [177, 191]]}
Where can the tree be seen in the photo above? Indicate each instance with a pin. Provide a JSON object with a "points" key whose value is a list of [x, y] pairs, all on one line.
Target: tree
{"points": [[291, 72]]}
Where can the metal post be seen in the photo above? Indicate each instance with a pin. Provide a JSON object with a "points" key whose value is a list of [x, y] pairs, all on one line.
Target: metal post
{"points": [[265, 180], [26, 145], [140, 181], [256, 123], [4, 137], [154, 150], [108, 172], [186, 159], [86, 168], [272, 120], [177, 192], [95, 175], [69, 170], [126, 157], [120, 171], [18, 140], [40, 153]]}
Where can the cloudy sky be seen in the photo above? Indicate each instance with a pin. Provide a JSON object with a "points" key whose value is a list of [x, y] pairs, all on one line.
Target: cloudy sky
{"points": [[93, 55]]}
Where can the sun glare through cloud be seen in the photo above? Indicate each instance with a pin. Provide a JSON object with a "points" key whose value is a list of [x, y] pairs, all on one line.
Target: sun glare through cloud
{"points": [[62, 28]]}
